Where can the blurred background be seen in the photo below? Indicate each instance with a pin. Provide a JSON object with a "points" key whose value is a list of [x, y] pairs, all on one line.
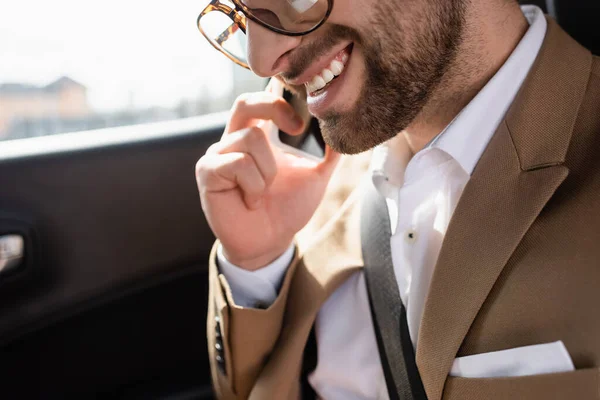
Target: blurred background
{"points": [[70, 66]]}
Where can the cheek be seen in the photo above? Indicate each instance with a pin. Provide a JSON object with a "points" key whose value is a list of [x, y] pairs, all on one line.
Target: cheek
{"points": [[351, 13], [355, 81]]}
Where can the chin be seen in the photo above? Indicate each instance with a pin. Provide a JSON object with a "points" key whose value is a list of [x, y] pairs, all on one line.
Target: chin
{"points": [[361, 129], [346, 141]]}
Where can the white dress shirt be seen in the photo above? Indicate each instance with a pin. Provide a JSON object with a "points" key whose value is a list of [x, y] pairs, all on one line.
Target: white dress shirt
{"points": [[421, 193]]}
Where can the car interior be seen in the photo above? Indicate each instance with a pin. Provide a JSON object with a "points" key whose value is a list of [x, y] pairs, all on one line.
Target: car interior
{"points": [[109, 298]]}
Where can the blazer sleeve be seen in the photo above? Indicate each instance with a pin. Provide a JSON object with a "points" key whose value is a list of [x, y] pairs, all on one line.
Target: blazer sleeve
{"points": [[240, 339]]}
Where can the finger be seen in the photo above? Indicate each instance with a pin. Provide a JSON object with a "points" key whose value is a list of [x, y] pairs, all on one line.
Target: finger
{"points": [[254, 142], [251, 107], [327, 166], [218, 173]]}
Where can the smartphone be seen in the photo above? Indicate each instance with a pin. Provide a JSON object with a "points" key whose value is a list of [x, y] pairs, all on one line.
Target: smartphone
{"points": [[310, 143]]}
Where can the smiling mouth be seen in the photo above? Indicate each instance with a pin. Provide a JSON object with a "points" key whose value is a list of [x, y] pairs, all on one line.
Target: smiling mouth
{"points": [[321, 81]]}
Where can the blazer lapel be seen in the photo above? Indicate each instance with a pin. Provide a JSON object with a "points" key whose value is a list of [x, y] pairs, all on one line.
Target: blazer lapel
{"points": [[516, 176], [498, 206]]}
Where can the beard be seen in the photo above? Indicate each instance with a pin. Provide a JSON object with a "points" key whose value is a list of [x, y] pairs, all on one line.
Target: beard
{"points": [[404, 64]]}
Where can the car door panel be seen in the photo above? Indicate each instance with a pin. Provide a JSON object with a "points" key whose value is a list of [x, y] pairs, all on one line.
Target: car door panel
{"points": [[114, 290]]}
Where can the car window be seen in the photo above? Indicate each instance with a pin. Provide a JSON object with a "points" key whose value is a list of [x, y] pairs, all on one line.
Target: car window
{"points": [[78, 65]]}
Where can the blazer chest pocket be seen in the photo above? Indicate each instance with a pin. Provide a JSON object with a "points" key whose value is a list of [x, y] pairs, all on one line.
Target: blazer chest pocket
{"points": [[583, 384]]}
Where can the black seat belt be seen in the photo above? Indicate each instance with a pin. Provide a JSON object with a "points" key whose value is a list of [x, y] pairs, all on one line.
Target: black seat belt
{"points": [[389, 315], [309, 364]]}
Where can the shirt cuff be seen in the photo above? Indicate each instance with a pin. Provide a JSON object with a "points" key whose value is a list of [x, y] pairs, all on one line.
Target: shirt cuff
{"points": [[255, 289]]}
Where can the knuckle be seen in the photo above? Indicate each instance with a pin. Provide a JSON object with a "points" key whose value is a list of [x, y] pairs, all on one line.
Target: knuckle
{"points": [[245, 162], [255, 137], [241, 101], [213, 148], [200, 167]]}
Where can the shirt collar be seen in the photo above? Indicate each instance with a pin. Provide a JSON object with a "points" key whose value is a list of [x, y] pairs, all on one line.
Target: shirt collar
{"points": [[388, 164], [467, 136]]}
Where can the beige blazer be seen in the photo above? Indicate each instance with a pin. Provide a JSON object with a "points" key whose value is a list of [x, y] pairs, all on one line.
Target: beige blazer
{"points": [[520, 263]]}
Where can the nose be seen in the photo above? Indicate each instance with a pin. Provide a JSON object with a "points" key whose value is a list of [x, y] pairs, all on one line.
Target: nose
{"points": [[267, 50]]}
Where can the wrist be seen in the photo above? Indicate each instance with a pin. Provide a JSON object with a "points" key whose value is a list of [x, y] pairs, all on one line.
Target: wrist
{"points": [[254, 263]]}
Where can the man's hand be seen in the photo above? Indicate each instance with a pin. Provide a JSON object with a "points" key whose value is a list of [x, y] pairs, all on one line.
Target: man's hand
{"points": [[255, 197]]}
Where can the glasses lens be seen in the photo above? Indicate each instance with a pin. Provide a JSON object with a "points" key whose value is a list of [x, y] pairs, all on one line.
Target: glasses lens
{"points": [[224, 34], [293, 16]]}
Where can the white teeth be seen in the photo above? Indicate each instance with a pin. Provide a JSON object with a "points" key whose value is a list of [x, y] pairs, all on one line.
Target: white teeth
{"points": [[327, 75], [317, 83], [336, 67]]}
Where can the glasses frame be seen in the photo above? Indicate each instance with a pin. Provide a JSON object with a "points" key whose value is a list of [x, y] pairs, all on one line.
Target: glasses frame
{"points": [[240, 21]]}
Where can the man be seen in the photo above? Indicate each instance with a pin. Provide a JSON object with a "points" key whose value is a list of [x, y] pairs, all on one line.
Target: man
{"points": [[486, 127]]}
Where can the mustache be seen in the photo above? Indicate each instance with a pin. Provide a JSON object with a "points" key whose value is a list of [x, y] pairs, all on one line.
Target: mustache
{"points": [[302, 57]]}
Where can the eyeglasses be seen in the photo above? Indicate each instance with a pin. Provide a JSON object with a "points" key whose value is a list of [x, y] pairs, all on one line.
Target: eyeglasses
{"points": [[223, 22]]}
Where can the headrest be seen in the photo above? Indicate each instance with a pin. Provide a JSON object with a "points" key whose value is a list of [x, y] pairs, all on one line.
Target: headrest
{"points": [[580, 18]]}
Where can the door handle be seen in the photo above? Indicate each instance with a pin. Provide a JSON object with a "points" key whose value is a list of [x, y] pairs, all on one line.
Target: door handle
{"points": [[12, 250]]}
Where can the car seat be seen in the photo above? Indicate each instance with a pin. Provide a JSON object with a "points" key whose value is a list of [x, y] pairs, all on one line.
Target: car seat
{"points": [[578, 17]]}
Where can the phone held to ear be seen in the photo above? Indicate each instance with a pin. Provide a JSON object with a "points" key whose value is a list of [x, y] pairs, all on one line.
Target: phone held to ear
{"points": [[310, 143]]}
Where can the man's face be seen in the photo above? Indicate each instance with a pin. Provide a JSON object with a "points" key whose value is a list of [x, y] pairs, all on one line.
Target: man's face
{"points": [[389, 57]]}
